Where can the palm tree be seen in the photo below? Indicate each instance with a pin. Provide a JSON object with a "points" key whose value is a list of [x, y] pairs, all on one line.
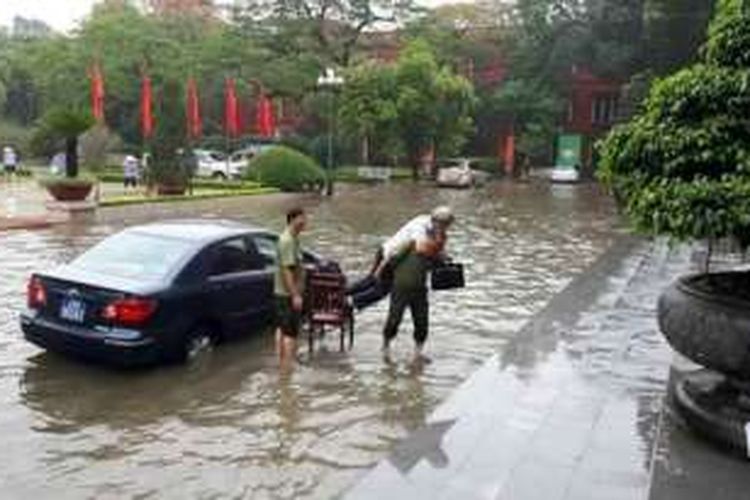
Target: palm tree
{"points": [[68, 124]]}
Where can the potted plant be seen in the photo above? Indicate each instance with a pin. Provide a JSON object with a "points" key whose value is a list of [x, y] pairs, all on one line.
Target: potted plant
{"points": [[167, 167], [681, 168], [67, 124]]}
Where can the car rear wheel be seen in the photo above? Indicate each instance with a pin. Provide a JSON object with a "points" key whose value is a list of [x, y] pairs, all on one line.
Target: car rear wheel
{"points": [[198, 344]]}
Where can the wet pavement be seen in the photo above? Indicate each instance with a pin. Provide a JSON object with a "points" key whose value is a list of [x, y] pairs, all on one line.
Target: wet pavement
{"points": [[21, 197], [234, 428], [575, 407]]}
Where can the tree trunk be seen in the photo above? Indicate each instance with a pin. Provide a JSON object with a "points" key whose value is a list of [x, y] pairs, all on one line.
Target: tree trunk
{"points": [[71, 157], [365, 157], [414, 161]]}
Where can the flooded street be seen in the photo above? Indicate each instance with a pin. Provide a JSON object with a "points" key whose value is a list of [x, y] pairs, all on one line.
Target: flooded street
{"points": [[235, 428]]}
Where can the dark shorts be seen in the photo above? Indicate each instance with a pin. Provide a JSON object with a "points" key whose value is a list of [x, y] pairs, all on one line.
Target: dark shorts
{"points": [[131, 181], [287, 319], [10, 169]]}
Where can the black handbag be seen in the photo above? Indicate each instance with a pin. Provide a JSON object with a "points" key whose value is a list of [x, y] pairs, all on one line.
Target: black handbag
{"points": [[447, 276]]}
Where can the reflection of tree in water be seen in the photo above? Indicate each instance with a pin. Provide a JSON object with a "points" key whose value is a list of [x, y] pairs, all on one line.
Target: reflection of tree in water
{"points": [[288, 408], [527, 350]]}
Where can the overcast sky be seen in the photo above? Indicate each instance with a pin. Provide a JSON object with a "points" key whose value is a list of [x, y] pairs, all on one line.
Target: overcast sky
{"points": [[60, 14], [63, 14]]}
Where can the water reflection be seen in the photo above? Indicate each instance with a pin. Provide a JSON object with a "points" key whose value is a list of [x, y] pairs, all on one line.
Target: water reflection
{"points": [[237, 427]]}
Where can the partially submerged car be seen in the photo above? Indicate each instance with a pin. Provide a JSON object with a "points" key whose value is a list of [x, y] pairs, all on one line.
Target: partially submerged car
{"points": [[459, 173], [216, 165], [157, 292]]}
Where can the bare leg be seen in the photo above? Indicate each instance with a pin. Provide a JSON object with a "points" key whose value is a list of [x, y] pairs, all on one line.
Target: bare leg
{"points": [[288, 351]]}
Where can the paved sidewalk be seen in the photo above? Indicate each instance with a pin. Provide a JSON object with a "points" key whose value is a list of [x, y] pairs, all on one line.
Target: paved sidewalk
{"points": [[22, 206], [572, 409]]}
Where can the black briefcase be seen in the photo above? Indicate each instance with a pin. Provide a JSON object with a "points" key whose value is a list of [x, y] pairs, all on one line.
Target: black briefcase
{"points": [[448, 277]]}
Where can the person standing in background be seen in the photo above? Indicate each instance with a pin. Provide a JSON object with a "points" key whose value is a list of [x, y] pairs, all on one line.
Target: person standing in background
{"points": [[10, 162], [131, 171]]}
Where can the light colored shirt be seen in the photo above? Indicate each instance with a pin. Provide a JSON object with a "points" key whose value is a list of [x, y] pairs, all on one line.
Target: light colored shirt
{"points": [[130, 166], [416, 229], [289, 256], [9, 158]]}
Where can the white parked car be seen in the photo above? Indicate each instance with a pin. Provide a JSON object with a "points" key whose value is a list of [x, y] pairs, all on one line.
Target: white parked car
{"points": [[216, 165], [459, 174]]}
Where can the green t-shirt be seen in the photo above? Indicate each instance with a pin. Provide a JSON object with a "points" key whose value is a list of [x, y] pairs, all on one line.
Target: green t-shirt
{"points": [[411, 271], [289, 255]]}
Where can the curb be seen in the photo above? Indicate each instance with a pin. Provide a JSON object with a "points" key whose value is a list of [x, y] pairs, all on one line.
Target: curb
{"points": [[29, 222]]}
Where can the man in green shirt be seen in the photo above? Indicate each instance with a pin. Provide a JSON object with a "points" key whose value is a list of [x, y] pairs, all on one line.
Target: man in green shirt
{"points": [[413, 262], [289, 285]]}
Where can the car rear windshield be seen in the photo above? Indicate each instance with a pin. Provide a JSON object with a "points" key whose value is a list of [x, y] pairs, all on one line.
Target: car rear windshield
{"points": [[134, 255]]}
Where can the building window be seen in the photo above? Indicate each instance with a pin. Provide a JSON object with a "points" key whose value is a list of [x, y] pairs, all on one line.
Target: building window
{"points": [[571, 111], [604, 110]]}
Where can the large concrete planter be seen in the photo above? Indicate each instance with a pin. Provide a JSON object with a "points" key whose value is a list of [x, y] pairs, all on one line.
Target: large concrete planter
{"points": [[69, 190], [169, 189], [706, 318]]}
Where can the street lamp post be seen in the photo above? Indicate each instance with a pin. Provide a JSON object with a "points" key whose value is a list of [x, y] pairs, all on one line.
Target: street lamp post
{"points": [[331, 81]]}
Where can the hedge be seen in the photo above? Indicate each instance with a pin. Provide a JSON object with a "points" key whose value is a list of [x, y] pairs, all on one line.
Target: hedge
{"points": [[139, 200], [197, 183], [286, 169]]}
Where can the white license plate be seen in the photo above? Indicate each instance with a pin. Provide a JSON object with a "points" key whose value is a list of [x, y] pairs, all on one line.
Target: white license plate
{"points": [[73, 310]]}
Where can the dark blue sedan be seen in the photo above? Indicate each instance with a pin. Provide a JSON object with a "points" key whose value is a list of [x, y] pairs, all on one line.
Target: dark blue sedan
{"points": [[165, 291]]}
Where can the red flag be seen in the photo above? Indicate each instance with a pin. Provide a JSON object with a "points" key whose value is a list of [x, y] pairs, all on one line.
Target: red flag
{"points": [[194, 124], [147, 116], [265, 121], [231, 111], [97, 92]]}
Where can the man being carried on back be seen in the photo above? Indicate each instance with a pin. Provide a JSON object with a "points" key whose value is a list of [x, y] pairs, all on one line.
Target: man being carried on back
{"points": [[377, 284]]}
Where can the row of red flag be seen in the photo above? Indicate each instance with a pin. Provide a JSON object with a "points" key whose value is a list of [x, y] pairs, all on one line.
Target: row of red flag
{"points": [[264, 116]]}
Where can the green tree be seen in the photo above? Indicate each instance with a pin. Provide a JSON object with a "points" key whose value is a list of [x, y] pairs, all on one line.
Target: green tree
{"points": [[329, 30], [434, 105], [67, 124], [532, 109], [681, 167], [674, 31], [368, 107]]}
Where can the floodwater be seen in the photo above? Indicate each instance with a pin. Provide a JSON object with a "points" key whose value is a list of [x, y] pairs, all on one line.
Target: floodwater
{"points": [[235, 427]]}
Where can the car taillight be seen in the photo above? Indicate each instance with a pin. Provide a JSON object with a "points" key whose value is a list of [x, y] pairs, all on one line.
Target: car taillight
{"points": [[36, 294], [130, 312]]}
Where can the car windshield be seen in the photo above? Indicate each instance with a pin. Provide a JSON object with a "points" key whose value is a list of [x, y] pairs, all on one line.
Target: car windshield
{"points": [[135, 256]]}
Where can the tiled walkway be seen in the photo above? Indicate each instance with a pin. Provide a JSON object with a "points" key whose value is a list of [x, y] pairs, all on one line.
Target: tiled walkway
{"points": [[571, 410]]}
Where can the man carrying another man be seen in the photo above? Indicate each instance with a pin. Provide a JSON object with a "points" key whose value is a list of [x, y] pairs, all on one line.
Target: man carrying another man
{"points": [[411, 263], [377, 284]]}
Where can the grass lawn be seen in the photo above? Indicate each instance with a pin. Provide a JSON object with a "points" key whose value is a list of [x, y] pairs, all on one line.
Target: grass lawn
{"points": [[137, 198]]}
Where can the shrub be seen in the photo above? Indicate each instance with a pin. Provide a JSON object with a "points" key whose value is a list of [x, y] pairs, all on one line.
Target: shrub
{"points": [[16, 136], [681, 167], [286, 169]]}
